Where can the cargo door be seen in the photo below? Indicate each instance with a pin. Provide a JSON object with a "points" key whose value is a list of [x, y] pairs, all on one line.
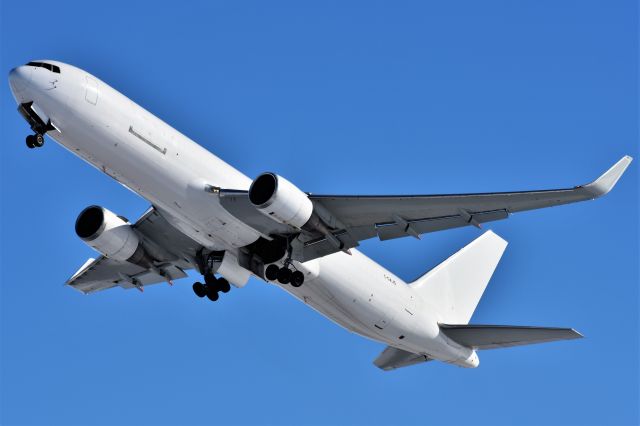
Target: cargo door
{"points": [[91, 94]]}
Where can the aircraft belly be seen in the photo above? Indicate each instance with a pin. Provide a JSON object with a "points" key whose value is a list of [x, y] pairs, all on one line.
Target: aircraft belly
{"points": [[356, 293], [356, 296], [314, 293]]}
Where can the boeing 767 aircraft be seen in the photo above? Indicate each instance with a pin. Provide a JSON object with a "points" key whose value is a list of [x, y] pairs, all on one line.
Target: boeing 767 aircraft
{"points": [[208, 216]]}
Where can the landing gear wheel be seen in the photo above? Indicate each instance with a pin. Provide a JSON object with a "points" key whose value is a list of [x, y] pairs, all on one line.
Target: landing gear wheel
{"points": [[31, 141], [212, 293], [38, 140], [199, 289], [297, 278], [284, 276], [223, 285], [211, 280], [271, 273]]}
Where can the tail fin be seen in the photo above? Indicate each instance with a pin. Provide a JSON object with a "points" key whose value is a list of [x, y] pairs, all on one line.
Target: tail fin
{"points": [[456, 285]]}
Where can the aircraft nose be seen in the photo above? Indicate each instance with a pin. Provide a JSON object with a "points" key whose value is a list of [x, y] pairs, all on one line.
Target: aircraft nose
{"points": [[18, 80]]}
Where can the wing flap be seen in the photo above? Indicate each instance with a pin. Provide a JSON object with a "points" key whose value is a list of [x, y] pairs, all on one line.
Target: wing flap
{"points": [[422, 226], [104, 273], [504, 336]]}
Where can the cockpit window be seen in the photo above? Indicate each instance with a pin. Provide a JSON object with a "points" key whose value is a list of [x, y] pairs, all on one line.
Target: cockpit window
{"points": [[50, 67]]}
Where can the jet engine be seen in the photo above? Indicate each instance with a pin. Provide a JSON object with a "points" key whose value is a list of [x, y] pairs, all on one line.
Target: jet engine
{"points": [[108, 233], [279, 199]]}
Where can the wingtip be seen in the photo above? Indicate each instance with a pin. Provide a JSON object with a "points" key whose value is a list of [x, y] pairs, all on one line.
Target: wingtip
{"points": [[577, 334], [608, 180]]}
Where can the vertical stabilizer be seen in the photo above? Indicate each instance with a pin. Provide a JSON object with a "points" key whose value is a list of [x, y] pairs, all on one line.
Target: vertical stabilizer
{"points": [[456, 285]]}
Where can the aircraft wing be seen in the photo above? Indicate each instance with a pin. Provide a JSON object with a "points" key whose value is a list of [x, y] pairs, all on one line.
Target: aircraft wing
{"points": [[168, 245], [356, 218]]}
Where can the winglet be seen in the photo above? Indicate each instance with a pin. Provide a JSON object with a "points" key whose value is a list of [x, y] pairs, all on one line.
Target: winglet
{"points": [[608, 180]]}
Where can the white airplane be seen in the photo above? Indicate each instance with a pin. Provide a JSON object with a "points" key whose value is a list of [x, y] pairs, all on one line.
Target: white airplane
{"points": [[208, 216]]}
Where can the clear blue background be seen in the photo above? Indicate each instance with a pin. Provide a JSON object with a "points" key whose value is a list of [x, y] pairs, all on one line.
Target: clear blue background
{"points": [[339, 97]]}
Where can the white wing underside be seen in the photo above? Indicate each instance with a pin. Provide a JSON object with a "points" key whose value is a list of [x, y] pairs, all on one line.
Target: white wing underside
{"points": [[169, 246]]}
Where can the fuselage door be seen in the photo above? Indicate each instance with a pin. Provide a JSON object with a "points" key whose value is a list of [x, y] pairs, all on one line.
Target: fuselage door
{"points": [[91, 94]]}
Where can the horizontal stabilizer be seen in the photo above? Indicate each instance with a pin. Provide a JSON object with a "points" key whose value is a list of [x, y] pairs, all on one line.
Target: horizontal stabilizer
{"points": [[504, 336], [392, 358]]}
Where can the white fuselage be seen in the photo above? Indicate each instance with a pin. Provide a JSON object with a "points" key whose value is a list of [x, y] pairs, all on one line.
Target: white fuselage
{"points": [[139, 150]]}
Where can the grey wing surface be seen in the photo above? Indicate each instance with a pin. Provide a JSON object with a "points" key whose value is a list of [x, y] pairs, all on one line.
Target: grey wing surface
{"points": [[504, 336], [395, 216], [392, 358], [171, 249], [356, 218]]}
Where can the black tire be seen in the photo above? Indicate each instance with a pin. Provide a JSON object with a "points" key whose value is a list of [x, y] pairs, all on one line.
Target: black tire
{"points": [[38, 140], [199, 289], [271, 273], [30, 141], [284, 276], [212, 293], [210, 280], [223, 285], [297, 278]]}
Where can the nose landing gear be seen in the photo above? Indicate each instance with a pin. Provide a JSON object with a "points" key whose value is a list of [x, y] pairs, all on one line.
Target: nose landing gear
{"points": [[35, 141], [212, 287], [38, 121]]}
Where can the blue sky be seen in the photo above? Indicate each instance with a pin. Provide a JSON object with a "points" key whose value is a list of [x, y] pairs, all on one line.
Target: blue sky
{"points": [[339, 97]]}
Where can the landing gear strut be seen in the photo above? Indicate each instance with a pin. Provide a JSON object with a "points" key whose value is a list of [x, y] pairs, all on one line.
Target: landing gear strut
{"points": [[35, 141]]}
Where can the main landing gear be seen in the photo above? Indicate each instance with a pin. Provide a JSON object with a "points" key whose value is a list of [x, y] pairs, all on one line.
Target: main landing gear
{"points": [[35, 141], [284, 275], [212, 287]]}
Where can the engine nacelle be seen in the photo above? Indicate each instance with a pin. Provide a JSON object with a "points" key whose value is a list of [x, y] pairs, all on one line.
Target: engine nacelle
{"points": [[107, 233], [279, 199]]}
